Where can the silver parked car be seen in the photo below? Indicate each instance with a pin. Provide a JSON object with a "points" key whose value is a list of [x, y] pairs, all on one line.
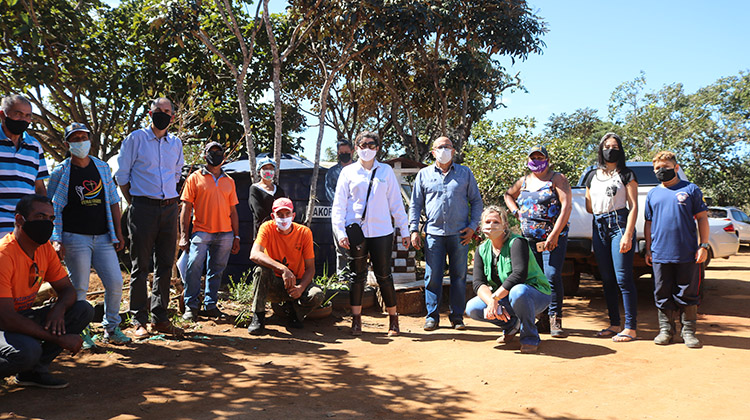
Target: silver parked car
{"points": [[723, 241], [740, 220]]}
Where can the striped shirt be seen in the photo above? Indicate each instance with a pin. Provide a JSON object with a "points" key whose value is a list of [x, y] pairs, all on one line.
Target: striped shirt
{"points": [[19, 170]]}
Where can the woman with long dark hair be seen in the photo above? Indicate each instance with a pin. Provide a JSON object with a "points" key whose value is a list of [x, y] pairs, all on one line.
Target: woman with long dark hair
{"points": [[612, 196], [367, 196]]}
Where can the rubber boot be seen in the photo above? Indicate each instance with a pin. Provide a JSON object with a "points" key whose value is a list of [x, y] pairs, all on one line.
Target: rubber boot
{"points": [[666, 327], [258, 324], [357, 325], [689, 319]]}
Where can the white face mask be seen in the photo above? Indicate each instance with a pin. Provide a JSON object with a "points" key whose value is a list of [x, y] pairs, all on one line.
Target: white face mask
{"points": [[367, 154], [494, 231], [283, 223], [80, 149], [443, 156]]}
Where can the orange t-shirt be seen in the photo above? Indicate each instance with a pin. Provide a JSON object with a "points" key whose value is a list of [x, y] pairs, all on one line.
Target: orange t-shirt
{"points": [[291, 250], [212, 201], [18, 279]]}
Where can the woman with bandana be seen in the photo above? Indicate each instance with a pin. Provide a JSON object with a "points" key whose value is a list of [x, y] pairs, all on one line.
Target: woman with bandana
{"points": [[368, 196], [612, 197], [541, 201], [263, 193], [511, 289]]}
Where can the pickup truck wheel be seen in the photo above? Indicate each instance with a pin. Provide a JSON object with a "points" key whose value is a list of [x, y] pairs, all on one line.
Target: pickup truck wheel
{"points": [[571, 283]]}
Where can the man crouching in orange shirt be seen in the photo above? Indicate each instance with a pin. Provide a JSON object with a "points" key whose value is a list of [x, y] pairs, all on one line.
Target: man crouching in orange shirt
{"points": [[284, 253], [30, 339]]}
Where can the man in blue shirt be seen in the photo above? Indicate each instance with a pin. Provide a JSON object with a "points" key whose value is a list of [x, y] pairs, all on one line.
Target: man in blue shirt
{"points": [[449, 196], [344, 157], [150, 163], [672, 209], [22, 165]]}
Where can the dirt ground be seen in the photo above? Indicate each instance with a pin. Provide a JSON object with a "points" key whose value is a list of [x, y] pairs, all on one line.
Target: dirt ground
{"points": [[221, 372]]}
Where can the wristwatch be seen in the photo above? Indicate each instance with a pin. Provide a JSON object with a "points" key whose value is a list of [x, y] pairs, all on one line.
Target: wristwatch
{"points": [[704, 245]]}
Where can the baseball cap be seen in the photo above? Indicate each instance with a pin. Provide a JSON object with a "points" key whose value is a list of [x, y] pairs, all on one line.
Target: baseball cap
{"points": [[74, 127], [538, 148], [213, 144], [263, 162], [282, 203]]}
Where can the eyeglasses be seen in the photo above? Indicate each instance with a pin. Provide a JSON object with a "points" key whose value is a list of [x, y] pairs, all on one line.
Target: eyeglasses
{"points": [[34, 276], [368, 145]]}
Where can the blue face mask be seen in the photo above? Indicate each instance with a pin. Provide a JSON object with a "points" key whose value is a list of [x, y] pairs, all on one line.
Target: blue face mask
{"points": [[80, 149]]}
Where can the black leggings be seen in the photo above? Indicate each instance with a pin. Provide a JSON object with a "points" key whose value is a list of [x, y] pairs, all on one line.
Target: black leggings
{"points": [[379, 250]]}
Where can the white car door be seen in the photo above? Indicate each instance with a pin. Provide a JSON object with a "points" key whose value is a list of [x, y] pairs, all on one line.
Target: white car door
{"points": [[742, 224]]}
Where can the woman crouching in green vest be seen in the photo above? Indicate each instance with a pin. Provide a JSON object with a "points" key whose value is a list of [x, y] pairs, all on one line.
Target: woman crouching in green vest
{"points": [[511, 289]]}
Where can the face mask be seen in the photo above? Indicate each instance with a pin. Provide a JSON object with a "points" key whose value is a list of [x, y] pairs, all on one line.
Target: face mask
{"points": [[611, 155], [367, 154], [80, 149], [494, 232], [443, 156], [267, 174], [161, 119], [344, 157], [283, 223], [16, 127], [538, 166], [665, 174], [38, 230], [214, 158]]}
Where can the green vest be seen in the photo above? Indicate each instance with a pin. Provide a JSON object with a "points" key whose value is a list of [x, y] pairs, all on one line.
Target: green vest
{"points": [[535, 279]]}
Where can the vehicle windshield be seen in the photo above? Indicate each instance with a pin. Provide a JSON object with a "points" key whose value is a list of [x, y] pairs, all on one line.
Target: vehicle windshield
{"points": [[717, 213], [645, 175]]}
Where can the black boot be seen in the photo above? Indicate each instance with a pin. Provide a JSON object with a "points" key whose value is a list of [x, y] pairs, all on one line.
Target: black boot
{"points": [[258, 324], [357, 325], [393, 328], [689, 319], [666, 327]]}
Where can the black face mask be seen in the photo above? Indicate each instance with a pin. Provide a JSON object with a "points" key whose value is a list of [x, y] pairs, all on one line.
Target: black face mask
{"points": [[665, 174], [16, 127], [215, 158], [345, 157], [161, 119], [611, 155], [38, 230]]}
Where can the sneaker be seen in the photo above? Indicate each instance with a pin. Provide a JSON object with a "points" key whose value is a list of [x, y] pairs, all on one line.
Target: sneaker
{"points": [[555, 327], [458, 325], [88, 342], [528, 348], [115, 337], [214, 313], [509, 334], [190, 315], [41, 380], [430, 324], [258, 324]]}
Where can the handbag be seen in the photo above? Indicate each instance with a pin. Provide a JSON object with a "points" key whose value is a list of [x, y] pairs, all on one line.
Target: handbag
{"points": [[354, 230]]}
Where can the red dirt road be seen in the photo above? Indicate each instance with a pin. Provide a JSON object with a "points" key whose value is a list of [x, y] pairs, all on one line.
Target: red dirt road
{"points": [[322, 372]]}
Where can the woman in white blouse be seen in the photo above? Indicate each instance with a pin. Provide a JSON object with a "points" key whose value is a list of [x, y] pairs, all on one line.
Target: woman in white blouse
{"points": [[384, 203], [612, 196]]}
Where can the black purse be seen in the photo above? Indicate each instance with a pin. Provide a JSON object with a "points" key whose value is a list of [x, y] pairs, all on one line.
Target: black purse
{"points": [[354, 230]]}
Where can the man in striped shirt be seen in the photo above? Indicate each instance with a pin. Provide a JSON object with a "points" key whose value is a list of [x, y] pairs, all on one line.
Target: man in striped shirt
{"points": [[22, 165]]}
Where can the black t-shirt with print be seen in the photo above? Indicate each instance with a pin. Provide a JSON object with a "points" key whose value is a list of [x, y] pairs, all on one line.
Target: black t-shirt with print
{"points": [[85, 213]]}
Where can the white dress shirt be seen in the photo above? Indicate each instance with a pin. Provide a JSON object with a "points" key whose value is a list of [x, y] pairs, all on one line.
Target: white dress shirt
{"points": [[385, 201]]}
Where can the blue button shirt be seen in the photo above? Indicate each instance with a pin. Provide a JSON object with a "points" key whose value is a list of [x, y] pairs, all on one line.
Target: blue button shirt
{"points": [[451, 202], [151, 165]]}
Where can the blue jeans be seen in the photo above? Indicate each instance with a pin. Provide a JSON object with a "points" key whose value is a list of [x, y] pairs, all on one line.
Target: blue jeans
{"points": [[523, 303], [83, 251], [615, 268], [217, 247], [435, 250], [552, 262]]}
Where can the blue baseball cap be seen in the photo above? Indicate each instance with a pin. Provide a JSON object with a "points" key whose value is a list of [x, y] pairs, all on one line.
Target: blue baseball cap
{"points": [[263, 162], [75, 127]]}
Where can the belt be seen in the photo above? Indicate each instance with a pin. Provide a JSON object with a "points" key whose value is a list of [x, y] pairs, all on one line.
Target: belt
{"points": [[155, 202]]}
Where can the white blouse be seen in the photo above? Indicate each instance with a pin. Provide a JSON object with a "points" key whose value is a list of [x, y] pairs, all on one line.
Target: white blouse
{"points": [[608, 192], [385, 201]]}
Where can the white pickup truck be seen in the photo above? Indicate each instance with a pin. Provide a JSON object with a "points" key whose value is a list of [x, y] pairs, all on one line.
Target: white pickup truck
{"points": [[579, 258]]}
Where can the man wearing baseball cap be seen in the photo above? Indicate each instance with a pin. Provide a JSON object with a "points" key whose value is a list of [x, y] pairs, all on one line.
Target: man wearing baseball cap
{"points": [[211, 193], [283, 252]]}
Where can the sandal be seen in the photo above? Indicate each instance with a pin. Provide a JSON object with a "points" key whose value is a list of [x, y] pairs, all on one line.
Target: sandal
{"points": [[624, 338], [607, 333]]}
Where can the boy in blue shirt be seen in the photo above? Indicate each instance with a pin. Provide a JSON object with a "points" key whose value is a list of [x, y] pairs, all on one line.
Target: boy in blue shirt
{"points": [[672, 248]]}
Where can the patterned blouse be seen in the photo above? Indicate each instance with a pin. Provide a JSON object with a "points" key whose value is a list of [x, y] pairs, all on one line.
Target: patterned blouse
{"points": [[538, 211]]}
